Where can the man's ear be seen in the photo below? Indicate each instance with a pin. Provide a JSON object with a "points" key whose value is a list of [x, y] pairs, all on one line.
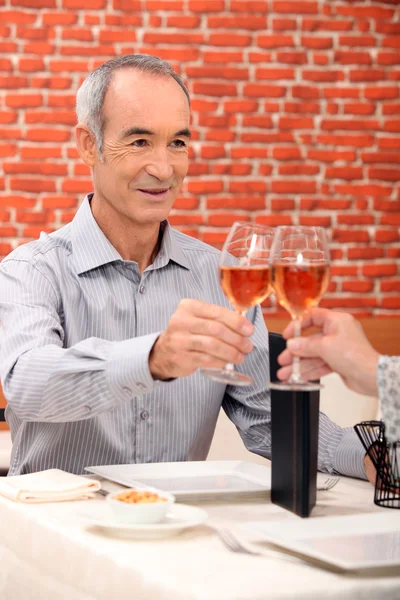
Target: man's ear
{"points": [[86, 145]]}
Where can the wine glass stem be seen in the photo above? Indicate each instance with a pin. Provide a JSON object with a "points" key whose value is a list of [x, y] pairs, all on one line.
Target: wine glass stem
{"points": [[230, 367], [296, 374]]}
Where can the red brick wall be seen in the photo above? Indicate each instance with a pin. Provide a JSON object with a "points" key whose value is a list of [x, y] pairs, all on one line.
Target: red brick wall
{"points": [[296, 119]]}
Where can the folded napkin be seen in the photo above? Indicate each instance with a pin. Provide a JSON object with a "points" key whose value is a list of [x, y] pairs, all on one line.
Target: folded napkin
{"points": [[52, 485]]}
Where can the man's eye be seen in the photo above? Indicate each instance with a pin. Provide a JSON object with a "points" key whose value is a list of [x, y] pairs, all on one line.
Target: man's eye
{"points": [[139, 143], [179, 144]]}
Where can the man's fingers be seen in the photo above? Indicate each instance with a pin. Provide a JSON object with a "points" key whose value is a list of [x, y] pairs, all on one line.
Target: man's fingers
{"points": [[306, 346], [213, 312], [218, 331], [215, 349], [315, 318], [313, 369]]}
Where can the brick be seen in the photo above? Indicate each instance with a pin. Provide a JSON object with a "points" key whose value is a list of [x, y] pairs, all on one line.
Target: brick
{"points": [[361, 75], [357, 40], [286, 153], [18, 16], [13, 82], [179, 54], [296, 123], [392, 125], [80, 34], [8, 116], [292, 58], [298, 169], [6, 64], [247, 186], [64, 117], [391, 41], [392, 219], [218, 72], [220, 135], [364, 189], [389, 143], [84, 4], [381, 157], [8, 232], [357, 287], [363, 12], [52, 83], [325, 25], [235, 201], [338, 92], [249, 6], [386, 205], [34, 33], [379, 270], [231, 169], [214, 89], [331, 155], [316, 43], [207, 120], [295, 8], [384, 174], [204, 6], [350, 236], [359, 108], [35, 3], [266, 138], [355, 219], [251, 22], [248, 152], [322, 76], [282, 204], [201, 105], [8, 47], [381, 92], [324, 204], [185, 219], [186, 203], [196, 169], [302, 107], [390, 285], [353, 124], [349, 302], [356, 141], [261, 90], [7, 150], [240, 106], [107, 51], [348, 173], [31, 185], [274, 74], [24, 100], [226, 219], [42, 48], [388, 58], [222, 57], [77, 186], [274, 220], [315, 221], [40, 152], [174, 38], [284, 25], [109, 36], [265, 169], [205, 186], [390, 108], [31, 65], [59, 18], [124, 20], [275, 41], [39, 168], [11, 133], [260, 121], [293, 187], [391, 302], [387, 236], [343, 270]]}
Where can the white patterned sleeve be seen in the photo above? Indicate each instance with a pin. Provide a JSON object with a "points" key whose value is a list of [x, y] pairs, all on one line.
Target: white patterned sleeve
{"points": [[389, 395]]}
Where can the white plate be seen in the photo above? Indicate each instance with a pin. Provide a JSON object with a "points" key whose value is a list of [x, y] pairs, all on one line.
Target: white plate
{"points": [[178, 519], [193, 479], [351, 542]]}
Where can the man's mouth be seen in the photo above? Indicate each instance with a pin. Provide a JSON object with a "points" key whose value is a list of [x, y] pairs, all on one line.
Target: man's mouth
{"points": [[154, 191]]}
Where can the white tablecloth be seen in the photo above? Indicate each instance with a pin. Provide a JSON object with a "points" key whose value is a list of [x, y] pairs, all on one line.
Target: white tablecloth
{"points": [[46, 553]]}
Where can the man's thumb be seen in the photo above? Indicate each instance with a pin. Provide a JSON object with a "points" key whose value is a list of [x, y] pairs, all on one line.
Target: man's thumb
{"points": [[303, 347]]}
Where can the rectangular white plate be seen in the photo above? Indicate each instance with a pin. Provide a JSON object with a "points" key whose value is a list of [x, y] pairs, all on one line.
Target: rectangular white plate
{"points": [[351, 542], [193, 479]]}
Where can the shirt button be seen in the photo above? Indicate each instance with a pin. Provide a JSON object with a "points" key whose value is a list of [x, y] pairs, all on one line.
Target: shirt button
{"points": [[144, 415], [140, 386], [142, 289]]}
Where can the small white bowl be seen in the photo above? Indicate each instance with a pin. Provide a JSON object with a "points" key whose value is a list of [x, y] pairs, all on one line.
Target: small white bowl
{"points": [[146, 512]]}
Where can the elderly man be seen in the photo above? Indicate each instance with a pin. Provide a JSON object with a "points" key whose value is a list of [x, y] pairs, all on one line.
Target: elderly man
{"points": [[107, 321]]}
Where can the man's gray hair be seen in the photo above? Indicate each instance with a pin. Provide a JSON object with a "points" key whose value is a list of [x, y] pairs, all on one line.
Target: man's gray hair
{"points": [[91, 94]]}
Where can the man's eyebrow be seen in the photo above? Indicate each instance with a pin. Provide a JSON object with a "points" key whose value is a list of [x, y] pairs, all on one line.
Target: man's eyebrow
{"points": [[142, 131]]}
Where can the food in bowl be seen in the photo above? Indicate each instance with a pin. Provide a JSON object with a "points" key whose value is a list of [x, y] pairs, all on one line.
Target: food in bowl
{"points": [[140, 505]]}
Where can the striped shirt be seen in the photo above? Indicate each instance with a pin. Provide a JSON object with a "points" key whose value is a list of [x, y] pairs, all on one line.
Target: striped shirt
{"points": [[78, 324]]}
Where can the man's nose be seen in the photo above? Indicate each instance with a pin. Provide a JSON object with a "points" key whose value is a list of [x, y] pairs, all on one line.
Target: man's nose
{"points": [[160, 165]]}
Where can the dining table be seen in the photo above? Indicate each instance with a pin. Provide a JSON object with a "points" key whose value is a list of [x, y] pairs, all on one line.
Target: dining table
{"points": [[50, 551]]}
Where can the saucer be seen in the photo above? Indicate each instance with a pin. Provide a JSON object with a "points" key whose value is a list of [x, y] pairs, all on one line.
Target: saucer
{"points": [[178, 518]]}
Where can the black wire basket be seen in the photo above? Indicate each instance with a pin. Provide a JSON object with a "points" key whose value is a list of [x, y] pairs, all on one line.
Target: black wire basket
{"points": [[386, 460]]}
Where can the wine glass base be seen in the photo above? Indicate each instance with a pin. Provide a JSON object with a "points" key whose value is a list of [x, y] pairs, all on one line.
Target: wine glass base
{"points": [[228, 377], [298, 386]]}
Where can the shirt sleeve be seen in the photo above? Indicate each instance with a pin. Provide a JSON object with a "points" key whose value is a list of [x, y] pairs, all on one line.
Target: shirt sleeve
{"points": [[389, 395], [339, 449], [44, 381]]}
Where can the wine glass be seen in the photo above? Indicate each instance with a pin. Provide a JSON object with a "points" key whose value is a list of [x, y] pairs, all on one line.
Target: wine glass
{"points": [[300, 262], [244, 273]]}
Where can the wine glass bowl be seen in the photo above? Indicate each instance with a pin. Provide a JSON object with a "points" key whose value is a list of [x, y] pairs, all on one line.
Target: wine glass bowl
{"points": [[300, 267], [244, 273]]}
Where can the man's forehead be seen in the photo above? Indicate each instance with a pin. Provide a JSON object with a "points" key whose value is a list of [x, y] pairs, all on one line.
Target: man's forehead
{"points": [[129, 82]]}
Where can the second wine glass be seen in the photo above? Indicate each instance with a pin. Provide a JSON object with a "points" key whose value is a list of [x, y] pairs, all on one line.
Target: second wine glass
{"points": [[244, 273], [300, 275]]}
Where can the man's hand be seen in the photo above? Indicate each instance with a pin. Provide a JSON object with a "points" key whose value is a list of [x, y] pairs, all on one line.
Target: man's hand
{"points": [[200, 335]]}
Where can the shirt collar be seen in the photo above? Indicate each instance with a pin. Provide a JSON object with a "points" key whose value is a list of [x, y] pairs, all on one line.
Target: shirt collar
{"points": [[92, 249]]}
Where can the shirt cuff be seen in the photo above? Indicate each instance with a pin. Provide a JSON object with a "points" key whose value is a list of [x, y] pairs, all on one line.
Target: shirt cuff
{"points": [[349, 456], [128, 372]]}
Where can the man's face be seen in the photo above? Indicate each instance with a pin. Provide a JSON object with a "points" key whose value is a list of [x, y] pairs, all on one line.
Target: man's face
{"points": [[145, 148]]}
